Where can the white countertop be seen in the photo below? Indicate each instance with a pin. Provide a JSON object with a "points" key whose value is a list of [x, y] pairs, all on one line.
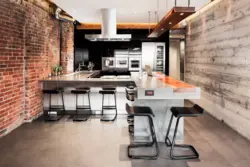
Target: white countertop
{"points": [[162, 85]]}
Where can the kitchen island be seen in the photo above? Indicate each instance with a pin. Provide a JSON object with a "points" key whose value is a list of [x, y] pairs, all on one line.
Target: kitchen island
{"points": [[159, 92]]}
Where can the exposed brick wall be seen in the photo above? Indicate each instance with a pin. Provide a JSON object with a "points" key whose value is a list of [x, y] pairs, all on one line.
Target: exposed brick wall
{"points": [[67, 47], [41, 35], [29, 48], [11, 65]]}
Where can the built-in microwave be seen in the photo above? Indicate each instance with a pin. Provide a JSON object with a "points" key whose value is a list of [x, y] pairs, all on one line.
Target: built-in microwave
{"points": [[135, 64], [121, 62]]}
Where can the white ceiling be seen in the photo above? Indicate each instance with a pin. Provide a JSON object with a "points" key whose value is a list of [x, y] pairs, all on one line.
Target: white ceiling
{"points": [[88, 11]]}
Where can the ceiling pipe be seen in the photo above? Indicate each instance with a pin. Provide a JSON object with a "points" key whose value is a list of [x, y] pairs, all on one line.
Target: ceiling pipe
{"points": [[63, 17]]}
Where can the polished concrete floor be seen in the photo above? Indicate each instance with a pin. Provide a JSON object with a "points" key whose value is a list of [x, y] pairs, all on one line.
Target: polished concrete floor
{"points": [[95, 144]]}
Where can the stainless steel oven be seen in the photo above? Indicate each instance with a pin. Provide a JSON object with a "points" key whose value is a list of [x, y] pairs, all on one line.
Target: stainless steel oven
{"points": [[121, 62], [108, 63], [134, 63]]}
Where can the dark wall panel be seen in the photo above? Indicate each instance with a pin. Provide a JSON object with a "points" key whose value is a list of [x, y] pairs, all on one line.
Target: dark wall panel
{"points": [[97, 50]]}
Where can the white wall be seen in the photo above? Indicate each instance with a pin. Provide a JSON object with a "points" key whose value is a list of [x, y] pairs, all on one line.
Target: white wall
{"points": [[174, 59]]}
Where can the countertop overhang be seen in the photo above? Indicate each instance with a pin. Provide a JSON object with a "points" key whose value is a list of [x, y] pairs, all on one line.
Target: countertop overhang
{"points": [[163, 86]]}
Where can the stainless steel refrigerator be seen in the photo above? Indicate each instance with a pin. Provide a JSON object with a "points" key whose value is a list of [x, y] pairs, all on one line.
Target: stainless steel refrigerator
{"points": [[153, 54]]}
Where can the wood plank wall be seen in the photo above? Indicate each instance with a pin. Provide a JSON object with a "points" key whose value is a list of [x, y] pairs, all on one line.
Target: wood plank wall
{"points": [[218, 60]]}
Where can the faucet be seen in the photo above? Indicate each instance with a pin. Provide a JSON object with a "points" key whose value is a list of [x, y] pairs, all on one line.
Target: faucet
{"points": [[81, 64]]}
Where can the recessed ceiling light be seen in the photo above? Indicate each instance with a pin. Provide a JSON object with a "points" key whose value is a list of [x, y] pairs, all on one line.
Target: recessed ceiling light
{"points": [[182, 14], [162, 29], [170, 22]]}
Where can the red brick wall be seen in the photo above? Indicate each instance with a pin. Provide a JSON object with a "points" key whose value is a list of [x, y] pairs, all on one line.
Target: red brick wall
{"points": [[11, 65], [29, 48]]}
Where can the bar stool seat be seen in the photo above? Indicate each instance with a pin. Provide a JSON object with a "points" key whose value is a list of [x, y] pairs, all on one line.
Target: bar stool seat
{"points": [[144, 112], [186, 111], [108, 91], [86, 88], [109, 88], [82, 117], [47, 115], [140, 110], [180, 112], [53, 91], [80, 91]]}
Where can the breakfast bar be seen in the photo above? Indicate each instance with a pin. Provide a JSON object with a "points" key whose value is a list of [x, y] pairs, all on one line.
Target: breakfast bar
{"points": [[159, 92]]}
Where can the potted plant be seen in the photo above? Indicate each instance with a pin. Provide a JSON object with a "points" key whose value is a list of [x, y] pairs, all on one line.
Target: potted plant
{"points": [[59, 69], [55, 70]]}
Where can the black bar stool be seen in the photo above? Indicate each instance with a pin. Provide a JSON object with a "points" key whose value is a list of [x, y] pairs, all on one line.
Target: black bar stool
{"points": [[108, 91], [144, 112], [54, 117], [82, 117], [179, 112], [130, 95]]}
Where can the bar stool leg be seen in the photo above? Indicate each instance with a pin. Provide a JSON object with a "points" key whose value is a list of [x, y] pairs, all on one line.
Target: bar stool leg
{"points": [[173, 141], [49, 112], [79, 117], [64, 111], [104, 117], [47, 115], [115, 107], [76, 104], [150, 144], [102, 103], [169, 127], [115, 111], [75, 118], [89, 102], [184, 157]]}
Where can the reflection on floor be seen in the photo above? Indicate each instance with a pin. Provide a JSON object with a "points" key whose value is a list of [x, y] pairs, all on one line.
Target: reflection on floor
{"points": [[95, 144]]}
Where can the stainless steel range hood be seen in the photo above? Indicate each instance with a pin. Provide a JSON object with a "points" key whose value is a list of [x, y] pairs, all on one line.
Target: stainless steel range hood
{"points": [[109, 30]]}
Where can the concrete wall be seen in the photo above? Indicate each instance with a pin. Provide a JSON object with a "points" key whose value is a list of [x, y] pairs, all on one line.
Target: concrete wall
{"points": [[218, 61]]}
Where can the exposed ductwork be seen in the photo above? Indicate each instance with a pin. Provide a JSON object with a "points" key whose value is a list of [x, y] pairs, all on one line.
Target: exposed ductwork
{"points": [[109, 29], [63, 17]]}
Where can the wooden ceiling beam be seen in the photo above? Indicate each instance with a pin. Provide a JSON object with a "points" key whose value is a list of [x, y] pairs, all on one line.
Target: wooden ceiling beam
{"points": [[173, 17], [97, 26]]}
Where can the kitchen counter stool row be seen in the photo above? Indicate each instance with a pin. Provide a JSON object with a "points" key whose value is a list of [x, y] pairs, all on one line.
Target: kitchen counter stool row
{"points": [[82, 112], [138, 111]]}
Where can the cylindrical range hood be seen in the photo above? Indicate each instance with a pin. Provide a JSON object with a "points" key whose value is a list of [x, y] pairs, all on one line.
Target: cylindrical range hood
{"points": [[108, 22], [109, 30]]}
